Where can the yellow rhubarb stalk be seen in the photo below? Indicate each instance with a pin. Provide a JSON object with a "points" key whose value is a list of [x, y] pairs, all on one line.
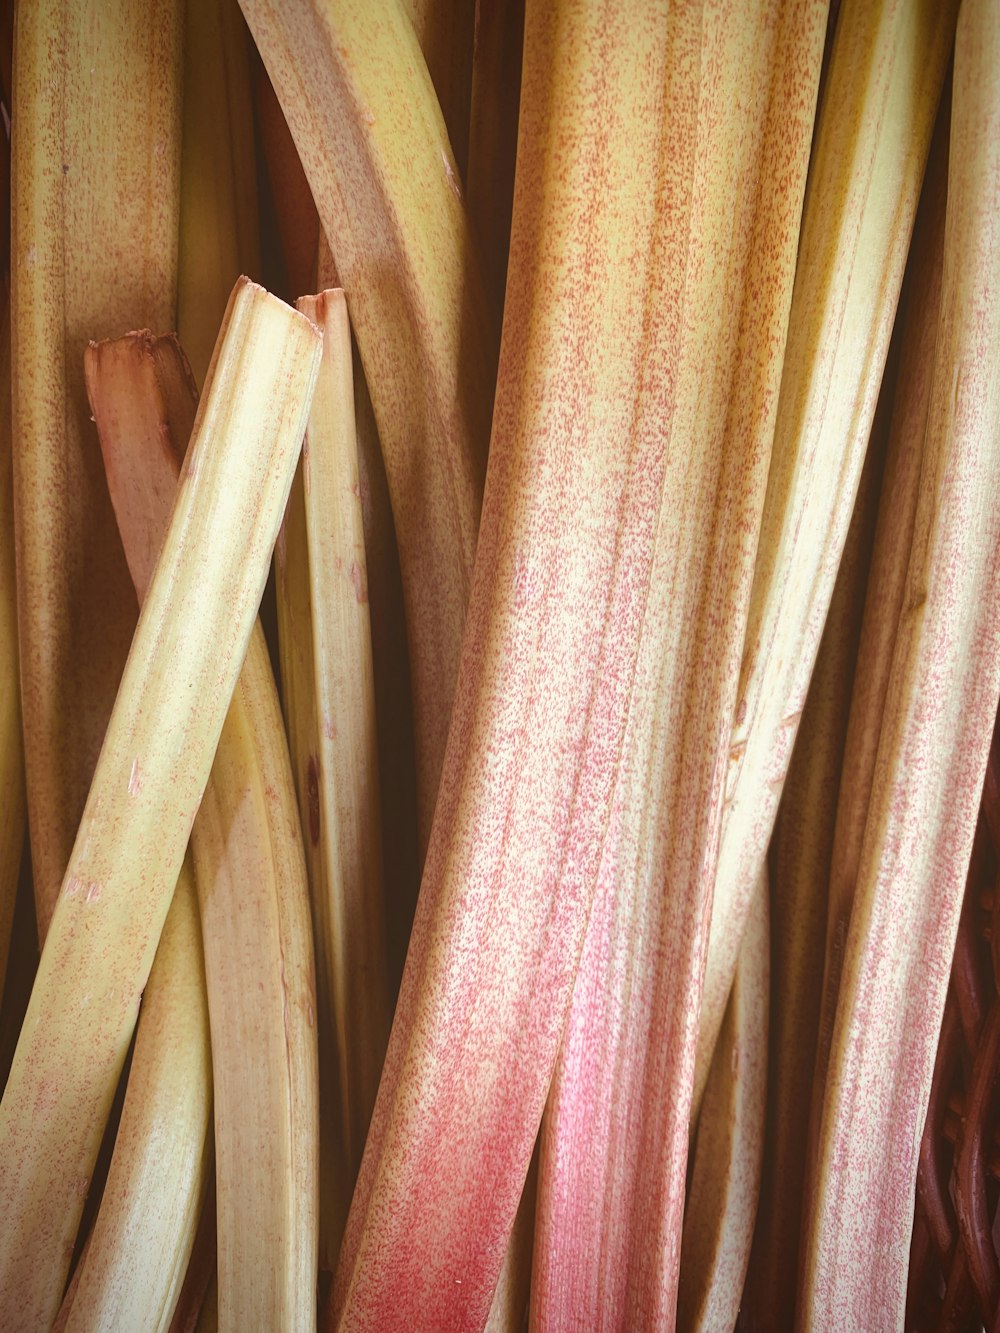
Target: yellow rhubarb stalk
{"points": [[940, 706], [132, 1269], [252, 886], [185, 657], [96, 174], [873, 134]]}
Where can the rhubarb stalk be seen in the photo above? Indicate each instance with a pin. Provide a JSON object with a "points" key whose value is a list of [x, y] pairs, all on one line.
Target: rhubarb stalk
{"points": [[940, 705], [190, 641], [884, 82], [96, 172], [357, 97], [615, 1140], [254, 901]]}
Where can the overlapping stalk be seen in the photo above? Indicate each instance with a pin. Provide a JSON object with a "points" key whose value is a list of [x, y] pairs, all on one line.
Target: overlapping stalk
{"points": [[496, 86], [218, 210], [873, 135], [725, 1180], [96, 166], [252, 886], [152, 772], [389, 199], [800, 874], [583, 421], [391, 668], [887, 577], [132, 1269], [937, 722], [330, 708]]}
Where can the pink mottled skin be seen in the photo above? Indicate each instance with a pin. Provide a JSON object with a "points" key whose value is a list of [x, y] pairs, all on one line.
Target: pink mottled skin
{"points": [[572, 509], [942, 698], [615, 1139]]}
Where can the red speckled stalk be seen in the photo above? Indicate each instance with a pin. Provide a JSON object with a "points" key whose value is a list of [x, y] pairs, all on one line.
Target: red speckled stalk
{"points": [[615, 1142], [873, 135], [581, 432], [940, 705]]}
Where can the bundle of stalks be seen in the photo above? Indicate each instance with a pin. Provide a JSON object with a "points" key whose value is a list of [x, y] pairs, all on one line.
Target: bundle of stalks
{"points": [[499, 722]]}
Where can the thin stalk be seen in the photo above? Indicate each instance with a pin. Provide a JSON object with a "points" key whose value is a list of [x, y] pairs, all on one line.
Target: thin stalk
{"points": [[940, 706], [883, 86], [330, 709], [728, 1157]]}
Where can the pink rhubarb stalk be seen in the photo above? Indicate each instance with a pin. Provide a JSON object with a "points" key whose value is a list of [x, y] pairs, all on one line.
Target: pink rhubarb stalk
{"points": [[615, 1140]]}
